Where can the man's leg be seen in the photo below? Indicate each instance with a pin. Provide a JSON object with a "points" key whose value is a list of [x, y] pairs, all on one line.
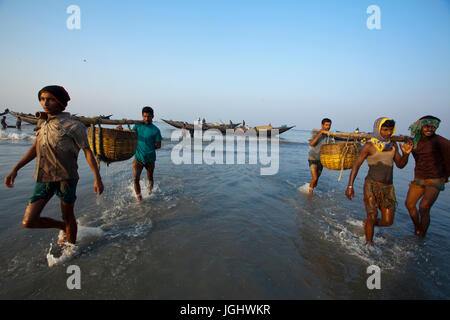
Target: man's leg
{"points": [[387, 218], [429, 197], [371, 205], [315, 174], [70, 222], [369, 225], [413, 196], [150, 169], [32, 217], [137, 170]]}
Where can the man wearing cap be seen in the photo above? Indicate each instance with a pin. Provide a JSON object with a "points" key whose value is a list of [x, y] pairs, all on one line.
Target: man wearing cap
{"points": [[59, 139], [432, 155]]}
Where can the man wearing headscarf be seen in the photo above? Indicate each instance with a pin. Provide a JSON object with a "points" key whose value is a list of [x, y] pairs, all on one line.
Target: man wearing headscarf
{"points": [[379, 194], [432, 155], [59, 139]]}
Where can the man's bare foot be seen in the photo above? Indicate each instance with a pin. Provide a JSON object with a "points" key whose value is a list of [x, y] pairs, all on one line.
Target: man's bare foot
{"points": [[420, 233], [417, 231], [139, 197], [311, 190]]}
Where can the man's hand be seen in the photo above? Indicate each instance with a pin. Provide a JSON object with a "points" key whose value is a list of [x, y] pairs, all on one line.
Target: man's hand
{"points": [[119, 127], [350, 193], [9, 179], [407, 147], [98, 186]]}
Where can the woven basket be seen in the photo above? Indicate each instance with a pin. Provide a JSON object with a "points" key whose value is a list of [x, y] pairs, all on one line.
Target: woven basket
{"points": [[117, 145], [338, 156]]}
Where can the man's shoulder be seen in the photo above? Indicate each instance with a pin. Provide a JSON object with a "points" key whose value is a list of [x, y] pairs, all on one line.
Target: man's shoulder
{"points": [[440, 138], [313, 134], [73, 124]]}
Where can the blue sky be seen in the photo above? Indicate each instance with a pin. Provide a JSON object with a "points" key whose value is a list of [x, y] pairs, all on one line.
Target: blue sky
{"points": [[284, 62]]}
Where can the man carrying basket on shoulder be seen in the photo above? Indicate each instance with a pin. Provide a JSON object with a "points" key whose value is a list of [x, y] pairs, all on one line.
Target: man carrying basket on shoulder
{"points": [[149, 139], [59, 139], [316, 140], [379, 194]]}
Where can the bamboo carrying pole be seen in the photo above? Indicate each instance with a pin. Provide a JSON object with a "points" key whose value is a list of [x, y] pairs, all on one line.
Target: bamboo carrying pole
{"points": [[362, 136], [95, 120]]}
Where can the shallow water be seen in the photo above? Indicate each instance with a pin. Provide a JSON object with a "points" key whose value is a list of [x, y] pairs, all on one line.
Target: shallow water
{"points": [[220, 232]]}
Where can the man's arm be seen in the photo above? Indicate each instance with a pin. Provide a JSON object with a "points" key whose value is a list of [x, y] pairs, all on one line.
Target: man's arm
{"points": [[402, 161], [98, 184], [444, 145], [158, 140], [29, 156], [365, 152], [313, 142]]}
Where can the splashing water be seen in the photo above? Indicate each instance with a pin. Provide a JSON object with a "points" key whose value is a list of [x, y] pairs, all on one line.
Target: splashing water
{"points": [[85, 236]]}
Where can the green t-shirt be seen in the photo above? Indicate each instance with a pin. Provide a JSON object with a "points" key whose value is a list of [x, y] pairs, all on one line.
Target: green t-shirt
{"points": [[148, 135]]}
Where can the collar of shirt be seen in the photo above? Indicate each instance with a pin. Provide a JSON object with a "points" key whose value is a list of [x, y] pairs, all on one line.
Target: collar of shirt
{"points": [[59, 116]]}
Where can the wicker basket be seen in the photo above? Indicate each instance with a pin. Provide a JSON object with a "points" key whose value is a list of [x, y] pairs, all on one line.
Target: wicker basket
{"points": [[338, 156], [117, 145]]}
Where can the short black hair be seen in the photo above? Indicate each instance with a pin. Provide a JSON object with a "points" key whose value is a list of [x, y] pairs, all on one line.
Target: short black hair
{"points": [[430, 117], [324, 120], [389, 124], [147, 109]]}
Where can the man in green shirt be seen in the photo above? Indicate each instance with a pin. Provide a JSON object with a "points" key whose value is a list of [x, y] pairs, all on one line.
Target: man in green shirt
{"points": [[149, 139]]}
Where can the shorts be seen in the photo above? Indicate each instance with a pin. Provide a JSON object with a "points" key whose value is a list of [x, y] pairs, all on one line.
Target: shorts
{"points": [[438, 183], [147, 165], [384, 196], [65, 190], [316, 163]]}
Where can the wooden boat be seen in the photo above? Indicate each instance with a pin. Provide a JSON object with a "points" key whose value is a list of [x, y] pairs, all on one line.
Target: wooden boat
{"points": [[223, 128]]}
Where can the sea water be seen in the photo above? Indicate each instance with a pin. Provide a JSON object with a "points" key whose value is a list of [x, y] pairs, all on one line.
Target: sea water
{"points": [[218, 232]]}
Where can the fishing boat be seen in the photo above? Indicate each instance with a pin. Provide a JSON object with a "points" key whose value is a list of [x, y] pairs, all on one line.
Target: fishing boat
{"points": [[224, 127]]}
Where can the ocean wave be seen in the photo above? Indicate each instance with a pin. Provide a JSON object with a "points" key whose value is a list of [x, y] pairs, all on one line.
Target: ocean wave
{"points": [[15, 136]]}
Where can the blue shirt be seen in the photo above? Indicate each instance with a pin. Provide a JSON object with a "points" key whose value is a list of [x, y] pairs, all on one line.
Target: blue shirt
{"points": [[147, 135]]}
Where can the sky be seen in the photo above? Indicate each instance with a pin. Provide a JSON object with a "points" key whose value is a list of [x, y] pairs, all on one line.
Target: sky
{"points": [[278, 62]]}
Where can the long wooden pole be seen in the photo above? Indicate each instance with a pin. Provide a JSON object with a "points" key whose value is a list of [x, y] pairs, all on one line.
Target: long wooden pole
{"points": [[86, 120], [362, 136]]}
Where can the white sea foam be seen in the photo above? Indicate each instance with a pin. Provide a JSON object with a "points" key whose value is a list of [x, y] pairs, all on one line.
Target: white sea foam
{"points": [[85, 236], [385, 252], [15, 136], [304, 188]]}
